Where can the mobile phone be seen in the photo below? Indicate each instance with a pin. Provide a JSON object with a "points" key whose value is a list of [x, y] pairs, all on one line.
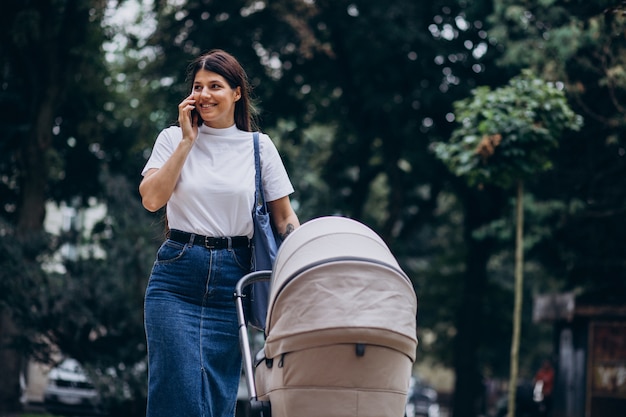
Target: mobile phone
{"points": [[194, 113]]}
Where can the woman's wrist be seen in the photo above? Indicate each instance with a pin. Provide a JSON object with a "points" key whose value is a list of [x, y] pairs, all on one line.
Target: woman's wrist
{"points": [[186, 141]]}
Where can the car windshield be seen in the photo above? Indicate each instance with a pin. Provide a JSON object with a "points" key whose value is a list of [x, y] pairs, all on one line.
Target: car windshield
{"points": [[71, 365]]}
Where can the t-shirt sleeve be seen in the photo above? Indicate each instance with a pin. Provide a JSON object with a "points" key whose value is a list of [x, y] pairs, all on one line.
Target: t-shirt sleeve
{"points": [[162, 150], [276, 182]]}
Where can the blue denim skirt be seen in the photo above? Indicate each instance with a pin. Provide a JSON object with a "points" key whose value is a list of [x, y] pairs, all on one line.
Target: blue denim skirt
{"points": [[194, 358]]}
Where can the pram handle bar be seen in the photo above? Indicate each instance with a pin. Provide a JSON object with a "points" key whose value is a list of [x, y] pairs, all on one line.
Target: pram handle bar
{"points": [[258, 276]]}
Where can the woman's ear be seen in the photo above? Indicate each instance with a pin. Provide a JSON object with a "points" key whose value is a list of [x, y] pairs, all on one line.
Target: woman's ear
{"points": [[237, 93]]}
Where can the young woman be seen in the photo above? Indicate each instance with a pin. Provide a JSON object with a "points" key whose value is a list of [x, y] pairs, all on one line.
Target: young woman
{"points": [[203, 171]]}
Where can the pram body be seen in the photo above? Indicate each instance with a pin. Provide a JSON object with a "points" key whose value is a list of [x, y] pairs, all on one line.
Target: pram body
{"points": [[341, 326]]}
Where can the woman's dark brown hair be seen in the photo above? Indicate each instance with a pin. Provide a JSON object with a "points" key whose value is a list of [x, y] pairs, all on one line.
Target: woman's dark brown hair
{"points": [[226, 65]]}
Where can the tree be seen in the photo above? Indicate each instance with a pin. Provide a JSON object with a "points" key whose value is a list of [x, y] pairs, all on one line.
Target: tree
{"points": [[42, 63], [581, 43], [504, 137], [61, 129]]}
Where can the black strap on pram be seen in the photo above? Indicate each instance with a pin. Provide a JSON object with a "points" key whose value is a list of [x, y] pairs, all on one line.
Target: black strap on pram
{"points": [[360, 349]]}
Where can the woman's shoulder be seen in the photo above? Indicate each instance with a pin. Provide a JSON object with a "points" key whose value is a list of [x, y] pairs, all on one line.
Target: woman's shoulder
{"points": [[173, 130], [170, 134], [268, 149], [265, 140]]}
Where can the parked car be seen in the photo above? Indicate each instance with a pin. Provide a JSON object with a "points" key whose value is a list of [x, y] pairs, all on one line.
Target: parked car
{"points": [[69, 391], [421, 400]]}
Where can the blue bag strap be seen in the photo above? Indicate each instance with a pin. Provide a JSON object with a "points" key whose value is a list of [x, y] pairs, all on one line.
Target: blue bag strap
{"points": [[259, 196]]}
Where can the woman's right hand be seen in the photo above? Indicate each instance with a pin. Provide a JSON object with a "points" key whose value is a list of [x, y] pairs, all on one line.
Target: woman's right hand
{"points": [[188, 119], [158, 184]]}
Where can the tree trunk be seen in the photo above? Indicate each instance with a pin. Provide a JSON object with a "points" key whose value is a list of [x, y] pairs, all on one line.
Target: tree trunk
{"points": [[11, 362], [33, 157], [519, 287], [481, 207], [28, 234]]}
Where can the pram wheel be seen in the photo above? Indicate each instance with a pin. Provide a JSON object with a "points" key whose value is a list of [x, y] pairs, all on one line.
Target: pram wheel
{"points": [[260, 408]]}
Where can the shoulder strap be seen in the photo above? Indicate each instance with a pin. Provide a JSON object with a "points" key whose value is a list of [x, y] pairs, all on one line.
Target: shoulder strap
{"points": [[259, 196]]}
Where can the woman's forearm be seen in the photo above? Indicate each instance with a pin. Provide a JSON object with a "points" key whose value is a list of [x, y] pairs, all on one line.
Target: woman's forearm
{"points": [[284, 218], [158, 184]]}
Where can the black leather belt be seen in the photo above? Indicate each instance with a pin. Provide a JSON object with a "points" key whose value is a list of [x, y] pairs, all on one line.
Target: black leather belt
{"points": [[209, 242]]}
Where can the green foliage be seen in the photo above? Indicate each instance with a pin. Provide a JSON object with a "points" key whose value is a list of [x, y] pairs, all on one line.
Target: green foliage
{"points": [[580, 43], [91, 308], [51, 100], [506, 134], [583, 44], [304, 161], [63, 125]]}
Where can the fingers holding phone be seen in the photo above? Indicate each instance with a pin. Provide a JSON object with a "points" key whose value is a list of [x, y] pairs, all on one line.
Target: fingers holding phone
{"points": [[188, 117]]}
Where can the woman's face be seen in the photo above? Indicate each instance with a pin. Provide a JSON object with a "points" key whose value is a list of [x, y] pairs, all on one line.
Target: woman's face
{"points": [[215, 99]]}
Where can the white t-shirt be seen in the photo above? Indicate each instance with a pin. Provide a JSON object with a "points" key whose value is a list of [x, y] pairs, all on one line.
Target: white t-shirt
{"points": [[214, 195]]}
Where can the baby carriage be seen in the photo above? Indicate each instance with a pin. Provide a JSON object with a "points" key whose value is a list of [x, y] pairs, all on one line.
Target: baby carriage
{"points": [[340, 335]]}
